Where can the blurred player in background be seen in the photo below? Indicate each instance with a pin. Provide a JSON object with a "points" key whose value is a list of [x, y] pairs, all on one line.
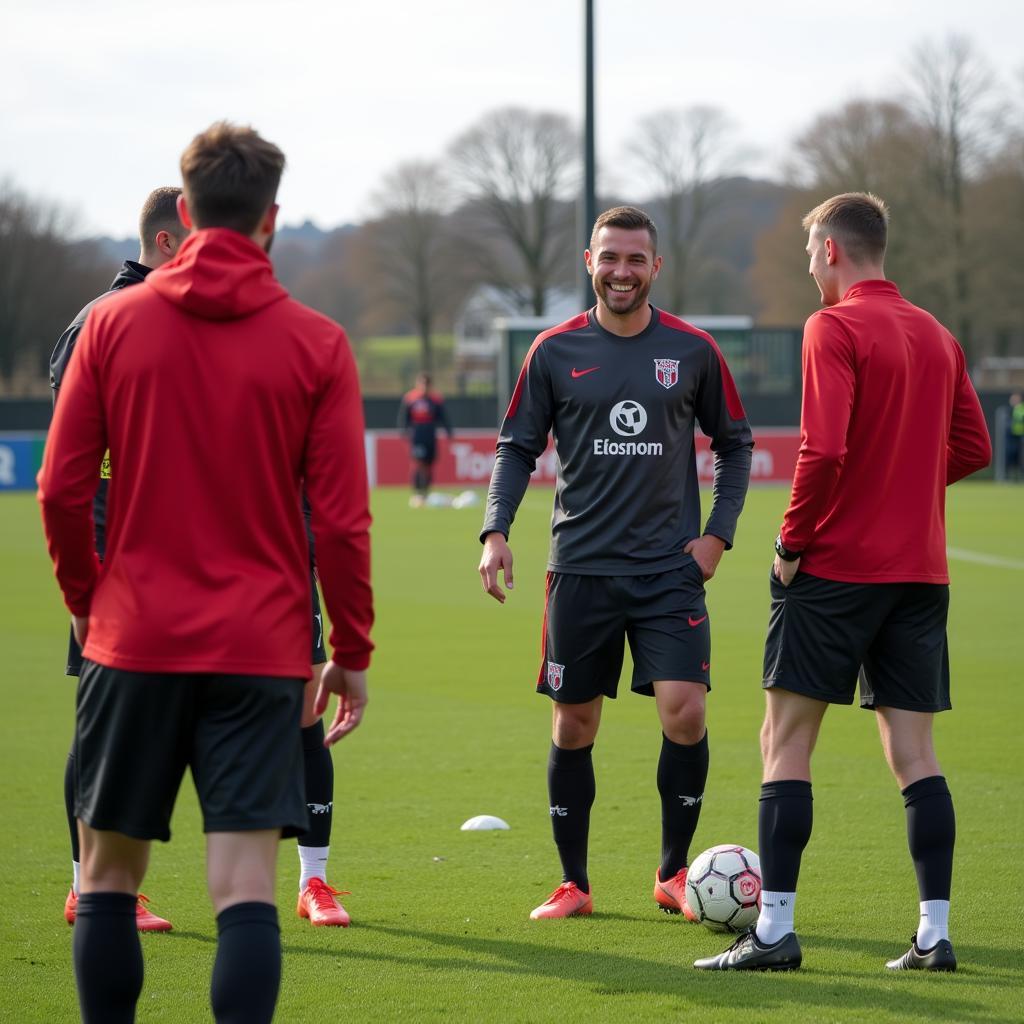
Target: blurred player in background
{"points": [[218, 397], [860, 585], [622, 388], [160, 235], [421, 413]]}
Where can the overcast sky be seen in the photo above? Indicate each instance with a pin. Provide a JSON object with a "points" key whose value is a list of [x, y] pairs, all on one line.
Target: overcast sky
{"points": [[98, 99]]}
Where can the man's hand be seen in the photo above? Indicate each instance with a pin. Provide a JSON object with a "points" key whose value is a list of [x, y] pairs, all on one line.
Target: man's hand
{"points": [[707, 553], [80, 627], [785, 571], [350, 686], [496, 556]]}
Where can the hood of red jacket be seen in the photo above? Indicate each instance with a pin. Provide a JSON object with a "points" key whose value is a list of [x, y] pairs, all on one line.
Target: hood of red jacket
{"points": [[218, 274]]}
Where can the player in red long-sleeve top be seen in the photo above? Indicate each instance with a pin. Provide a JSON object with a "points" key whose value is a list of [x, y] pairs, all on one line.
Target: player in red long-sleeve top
{"points": [[860, 585], [219, 397]]}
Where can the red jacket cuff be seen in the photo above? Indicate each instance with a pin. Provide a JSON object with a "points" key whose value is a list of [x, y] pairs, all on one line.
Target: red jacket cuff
{"points": [[352, 662]]}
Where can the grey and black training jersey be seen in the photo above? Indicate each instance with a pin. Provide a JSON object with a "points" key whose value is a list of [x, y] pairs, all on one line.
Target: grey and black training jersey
{"points": [[622, 413]]}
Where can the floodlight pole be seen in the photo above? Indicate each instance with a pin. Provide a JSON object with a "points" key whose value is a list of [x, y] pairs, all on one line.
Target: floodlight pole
{"points": [[589, 204]]}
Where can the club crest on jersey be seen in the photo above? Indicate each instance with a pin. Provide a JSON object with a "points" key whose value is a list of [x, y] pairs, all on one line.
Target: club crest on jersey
{"points": [[555, 675], [667, 371]]}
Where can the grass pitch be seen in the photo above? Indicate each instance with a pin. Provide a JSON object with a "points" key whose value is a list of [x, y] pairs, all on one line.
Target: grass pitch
{"points": [[453, 729]]}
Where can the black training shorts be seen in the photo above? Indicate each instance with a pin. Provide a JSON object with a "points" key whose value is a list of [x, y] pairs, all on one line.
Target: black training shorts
{"points": [[824, 634], [424, 451], [587, 620], [136, 732], [317, 657]]}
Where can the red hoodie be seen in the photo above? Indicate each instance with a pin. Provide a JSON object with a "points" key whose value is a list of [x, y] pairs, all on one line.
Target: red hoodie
{"points": [[217, 396]]}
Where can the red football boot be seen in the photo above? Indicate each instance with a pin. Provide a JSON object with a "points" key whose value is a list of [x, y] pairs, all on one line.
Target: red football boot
{"points": [[671, 895], [145, 919], [318, 902], [568, 900]]}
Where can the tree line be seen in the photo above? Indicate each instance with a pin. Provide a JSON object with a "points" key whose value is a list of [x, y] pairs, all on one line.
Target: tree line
{"points": [[499, 206]]}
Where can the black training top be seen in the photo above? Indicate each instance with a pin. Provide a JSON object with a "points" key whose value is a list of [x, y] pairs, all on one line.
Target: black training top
{"points": [[622, 412], [129, 274]]}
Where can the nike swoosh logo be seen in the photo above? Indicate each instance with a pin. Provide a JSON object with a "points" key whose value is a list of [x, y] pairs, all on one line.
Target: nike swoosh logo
{"points": [[734, 955], [582, 373], [705, 665], [695, 622]]}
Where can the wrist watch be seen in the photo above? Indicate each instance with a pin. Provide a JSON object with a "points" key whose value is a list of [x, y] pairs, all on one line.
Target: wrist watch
{"points": [[783, 552]]}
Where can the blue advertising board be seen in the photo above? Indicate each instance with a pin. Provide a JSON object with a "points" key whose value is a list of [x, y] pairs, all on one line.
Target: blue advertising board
{"points": [[20, 458]]}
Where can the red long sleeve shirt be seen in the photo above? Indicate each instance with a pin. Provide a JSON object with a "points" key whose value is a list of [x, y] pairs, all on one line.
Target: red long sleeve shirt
{"points": [[889, 418], [217, 396]]}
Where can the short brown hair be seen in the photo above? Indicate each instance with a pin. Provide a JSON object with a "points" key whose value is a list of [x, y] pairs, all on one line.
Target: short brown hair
{"points": [[860, 219], [231, 176], [160, 213], [628, 217]]}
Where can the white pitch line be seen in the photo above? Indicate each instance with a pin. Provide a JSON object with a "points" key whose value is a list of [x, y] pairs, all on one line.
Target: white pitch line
{"points": [[981, 559]]}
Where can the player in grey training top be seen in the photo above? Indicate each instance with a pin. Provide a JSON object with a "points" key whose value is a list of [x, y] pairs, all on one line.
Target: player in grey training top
{"points": [[620, 388]]}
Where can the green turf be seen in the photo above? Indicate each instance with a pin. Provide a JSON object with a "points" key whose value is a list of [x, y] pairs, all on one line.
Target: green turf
{"points": [[453, 730]]}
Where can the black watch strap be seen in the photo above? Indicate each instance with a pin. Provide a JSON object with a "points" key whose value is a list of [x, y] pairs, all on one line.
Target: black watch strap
{"points": [[784, 553]]}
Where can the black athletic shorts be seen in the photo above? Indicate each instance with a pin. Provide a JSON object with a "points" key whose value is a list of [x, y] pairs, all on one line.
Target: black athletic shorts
{"points": [[136, 732], [318, 656], [825, 634], [424, 451], [587, 620]]}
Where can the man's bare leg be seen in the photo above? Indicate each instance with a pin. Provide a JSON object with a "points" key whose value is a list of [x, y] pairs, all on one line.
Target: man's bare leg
{"points": [[240, 869]]}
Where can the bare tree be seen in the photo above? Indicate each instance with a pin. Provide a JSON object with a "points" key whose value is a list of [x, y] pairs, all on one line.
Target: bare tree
{"points": [[683, 155], [952, 91], [881, 146], [520, 166], [326, 277], [46, 276], [995, 212], [408, 241], [862, 145], [865, 146]]}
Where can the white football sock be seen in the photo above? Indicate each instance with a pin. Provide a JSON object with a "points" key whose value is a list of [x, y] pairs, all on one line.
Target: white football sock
{"points": [[313, 860], [76, 869], [776, 918], [934, 924]]}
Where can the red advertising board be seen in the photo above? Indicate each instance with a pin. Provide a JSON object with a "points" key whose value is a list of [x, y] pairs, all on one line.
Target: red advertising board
{"points": [[466, 461]]}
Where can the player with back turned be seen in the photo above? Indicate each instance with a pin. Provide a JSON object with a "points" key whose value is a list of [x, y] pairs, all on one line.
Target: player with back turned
{"points": [[160, 236], [621, 388], [219, 397], [860, 585]]}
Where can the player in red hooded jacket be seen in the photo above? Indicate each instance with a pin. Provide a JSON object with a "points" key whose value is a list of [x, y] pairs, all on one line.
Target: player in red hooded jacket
{"points": [[218, 397]]}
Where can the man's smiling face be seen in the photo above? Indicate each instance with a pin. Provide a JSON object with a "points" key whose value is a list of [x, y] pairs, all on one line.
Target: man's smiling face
{"points": [[623, 266]]}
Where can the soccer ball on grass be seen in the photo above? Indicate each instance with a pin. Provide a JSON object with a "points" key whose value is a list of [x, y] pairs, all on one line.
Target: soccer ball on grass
{"points": [[723, 888]]}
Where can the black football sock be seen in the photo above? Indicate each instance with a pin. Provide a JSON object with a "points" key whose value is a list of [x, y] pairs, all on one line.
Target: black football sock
{"points": [[69, 804], [571, 791], [682, 773], [785, 815], [247, 971], [319, 786], [107, 956], [931, 833]]}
